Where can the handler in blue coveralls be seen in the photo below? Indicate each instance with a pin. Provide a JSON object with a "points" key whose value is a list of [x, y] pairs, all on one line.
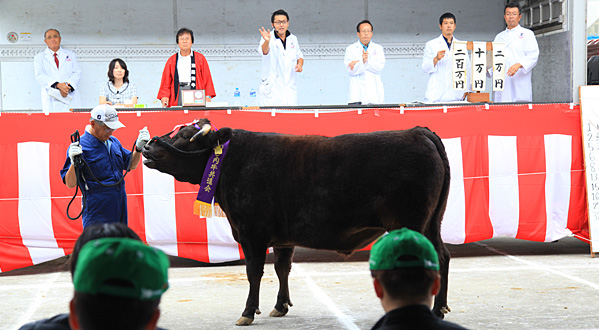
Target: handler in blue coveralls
{"points": [[107, 159]]}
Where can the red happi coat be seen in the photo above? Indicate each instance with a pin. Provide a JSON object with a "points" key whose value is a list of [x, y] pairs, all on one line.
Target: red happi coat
{"points": [[203, 78]]}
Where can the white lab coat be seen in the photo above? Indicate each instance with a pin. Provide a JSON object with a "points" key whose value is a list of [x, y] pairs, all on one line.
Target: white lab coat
{"points": [[46, 74], [520, 47], [278, 86], [365, 84], [440, 76]]}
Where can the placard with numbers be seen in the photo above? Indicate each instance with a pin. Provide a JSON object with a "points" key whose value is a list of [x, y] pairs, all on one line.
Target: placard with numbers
{"points": [[479, 64], [498, 66], [460, 55], [589, 114]]}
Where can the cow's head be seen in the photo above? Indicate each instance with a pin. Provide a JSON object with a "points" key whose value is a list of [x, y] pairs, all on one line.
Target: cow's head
{"points": [[183, 152]]}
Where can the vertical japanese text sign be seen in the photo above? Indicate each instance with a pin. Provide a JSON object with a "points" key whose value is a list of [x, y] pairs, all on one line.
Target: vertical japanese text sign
{"points": [[589, 114], [479, 65], [460, 54], [498, 66]]}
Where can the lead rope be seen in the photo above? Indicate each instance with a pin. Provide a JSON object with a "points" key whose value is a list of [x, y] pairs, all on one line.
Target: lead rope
{"points": [[80, 164]]}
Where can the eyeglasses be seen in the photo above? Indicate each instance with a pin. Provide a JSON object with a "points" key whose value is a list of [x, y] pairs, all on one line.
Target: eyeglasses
{"points": [[280, 22]]}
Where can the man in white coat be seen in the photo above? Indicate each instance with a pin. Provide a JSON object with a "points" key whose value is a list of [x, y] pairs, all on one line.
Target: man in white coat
{"points": [[438, 63], [58, 73], [521, 55], [364, 61], [282, 59]]}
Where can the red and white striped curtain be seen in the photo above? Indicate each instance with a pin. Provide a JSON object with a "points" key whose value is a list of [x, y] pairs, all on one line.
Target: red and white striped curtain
{"points": [[516, 172]]}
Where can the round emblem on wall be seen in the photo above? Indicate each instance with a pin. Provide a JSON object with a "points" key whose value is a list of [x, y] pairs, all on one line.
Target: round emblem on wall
{"points": [[12, 37]]}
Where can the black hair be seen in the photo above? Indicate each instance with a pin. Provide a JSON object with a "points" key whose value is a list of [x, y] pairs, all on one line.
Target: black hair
{"points": [[93, 232], [111, 70], [183, 31], [278, 12], [513, 5], [364, 22], [51, 29], [406, 283], [100, 312], [447, 16]]}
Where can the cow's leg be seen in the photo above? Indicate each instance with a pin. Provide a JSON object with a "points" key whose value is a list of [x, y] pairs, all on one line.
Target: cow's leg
{"points": [[440, 307], [255, 255], [283, 267]]}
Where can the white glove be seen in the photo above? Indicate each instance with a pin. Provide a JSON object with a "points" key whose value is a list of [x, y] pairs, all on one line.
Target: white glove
{"points": [[143, 138], [74, 150]]}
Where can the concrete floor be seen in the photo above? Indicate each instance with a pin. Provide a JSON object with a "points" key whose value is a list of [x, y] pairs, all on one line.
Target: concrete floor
{"points": [[501, 283]]}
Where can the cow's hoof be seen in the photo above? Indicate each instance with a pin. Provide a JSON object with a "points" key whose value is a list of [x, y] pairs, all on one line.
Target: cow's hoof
{"points": [[445, 310], [244, 321], [258, 311], [276, 313]]}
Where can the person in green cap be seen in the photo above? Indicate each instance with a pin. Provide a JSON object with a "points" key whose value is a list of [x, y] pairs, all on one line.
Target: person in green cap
{"points": [[90, 233], [118, 284], [405, 270]]}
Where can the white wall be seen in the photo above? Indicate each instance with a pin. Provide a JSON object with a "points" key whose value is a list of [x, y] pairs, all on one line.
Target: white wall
{"points": [[143, 34]]}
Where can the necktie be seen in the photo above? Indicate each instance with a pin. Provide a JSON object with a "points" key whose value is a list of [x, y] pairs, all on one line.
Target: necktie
{"points": [[56, 59]]}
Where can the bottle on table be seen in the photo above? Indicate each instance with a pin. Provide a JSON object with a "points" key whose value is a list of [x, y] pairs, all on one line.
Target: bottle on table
{"points": [[253, 102], [237, 97]]}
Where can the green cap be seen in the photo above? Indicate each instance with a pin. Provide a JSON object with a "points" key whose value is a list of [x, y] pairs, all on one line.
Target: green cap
{"points": [[388, 249], [121, 267]]}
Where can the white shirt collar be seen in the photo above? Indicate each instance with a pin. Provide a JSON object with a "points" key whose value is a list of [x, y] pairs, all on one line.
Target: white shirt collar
{"points": [[514, 29], [51, 52]]}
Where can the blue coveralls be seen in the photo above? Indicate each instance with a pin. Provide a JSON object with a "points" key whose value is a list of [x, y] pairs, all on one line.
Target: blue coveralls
{"points": [[104, 205]]}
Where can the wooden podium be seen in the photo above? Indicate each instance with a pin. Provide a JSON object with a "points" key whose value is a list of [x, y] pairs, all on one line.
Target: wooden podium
{"points": [[478, 97]]}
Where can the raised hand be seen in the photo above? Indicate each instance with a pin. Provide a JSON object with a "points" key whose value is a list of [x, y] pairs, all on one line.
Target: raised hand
{"points": [[74, 151], [265, 34], [142, 139]]}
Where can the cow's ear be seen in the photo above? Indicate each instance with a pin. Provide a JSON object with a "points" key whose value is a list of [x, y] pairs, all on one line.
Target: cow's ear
{"points": [[224, 134]]}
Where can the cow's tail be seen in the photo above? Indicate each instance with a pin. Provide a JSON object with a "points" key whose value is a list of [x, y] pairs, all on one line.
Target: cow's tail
{"points": [[434, 229], [435, 223]]}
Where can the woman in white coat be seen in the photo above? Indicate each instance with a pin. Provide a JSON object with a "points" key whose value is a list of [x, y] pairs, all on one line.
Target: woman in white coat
{"points": [[364, 61], [282, 59]]}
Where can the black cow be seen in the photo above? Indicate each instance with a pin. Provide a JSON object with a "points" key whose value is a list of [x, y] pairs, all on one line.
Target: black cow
{"points": [[334, 193]]}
